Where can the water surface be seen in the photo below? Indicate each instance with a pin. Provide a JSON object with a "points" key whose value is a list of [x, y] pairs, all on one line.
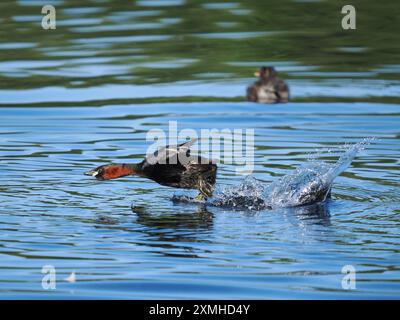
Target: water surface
{"points": [[87, 93]]}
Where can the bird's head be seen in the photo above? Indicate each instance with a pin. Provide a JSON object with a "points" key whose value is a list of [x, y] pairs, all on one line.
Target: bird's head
{"points": [[111, 171], [266, 72]]}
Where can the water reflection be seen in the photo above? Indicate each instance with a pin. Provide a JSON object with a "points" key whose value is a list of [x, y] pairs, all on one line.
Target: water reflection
{"points": [[200, 219], [139, 38], [172, 232], [318, 214]]}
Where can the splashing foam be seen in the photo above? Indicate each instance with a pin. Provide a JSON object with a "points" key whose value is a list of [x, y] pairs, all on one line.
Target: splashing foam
{"points": [[310, 183], [249, 195]]}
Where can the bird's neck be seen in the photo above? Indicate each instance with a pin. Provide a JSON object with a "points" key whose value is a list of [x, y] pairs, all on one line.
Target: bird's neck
{"points": [[122, 169]]}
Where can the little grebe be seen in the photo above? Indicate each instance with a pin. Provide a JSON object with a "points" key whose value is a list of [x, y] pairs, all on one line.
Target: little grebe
{"points": [[269, 88], [171, 166]]}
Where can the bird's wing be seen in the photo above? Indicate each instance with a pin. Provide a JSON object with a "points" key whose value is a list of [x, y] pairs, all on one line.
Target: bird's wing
{"points": [[281, 90], [274, 86], [164, 154]]}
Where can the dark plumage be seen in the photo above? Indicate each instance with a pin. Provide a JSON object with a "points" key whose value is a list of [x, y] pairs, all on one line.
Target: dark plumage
{"points": [[269, 88], [171, 166]]}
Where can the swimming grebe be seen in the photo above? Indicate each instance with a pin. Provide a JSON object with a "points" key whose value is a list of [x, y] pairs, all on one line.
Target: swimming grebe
{"points": [[268, 88], [171, 166]]}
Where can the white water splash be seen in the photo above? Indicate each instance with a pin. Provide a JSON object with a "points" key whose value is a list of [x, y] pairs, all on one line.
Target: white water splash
{"points": [[249, 195], [310, 183]]}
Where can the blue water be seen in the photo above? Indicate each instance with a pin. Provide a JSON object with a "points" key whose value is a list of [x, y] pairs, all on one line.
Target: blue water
{"points": [[88, 92], [53, 215]]}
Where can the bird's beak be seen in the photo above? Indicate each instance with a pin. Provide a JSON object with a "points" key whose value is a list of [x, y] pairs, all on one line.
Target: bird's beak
{"points": [[257, 74], [92, 173]]}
